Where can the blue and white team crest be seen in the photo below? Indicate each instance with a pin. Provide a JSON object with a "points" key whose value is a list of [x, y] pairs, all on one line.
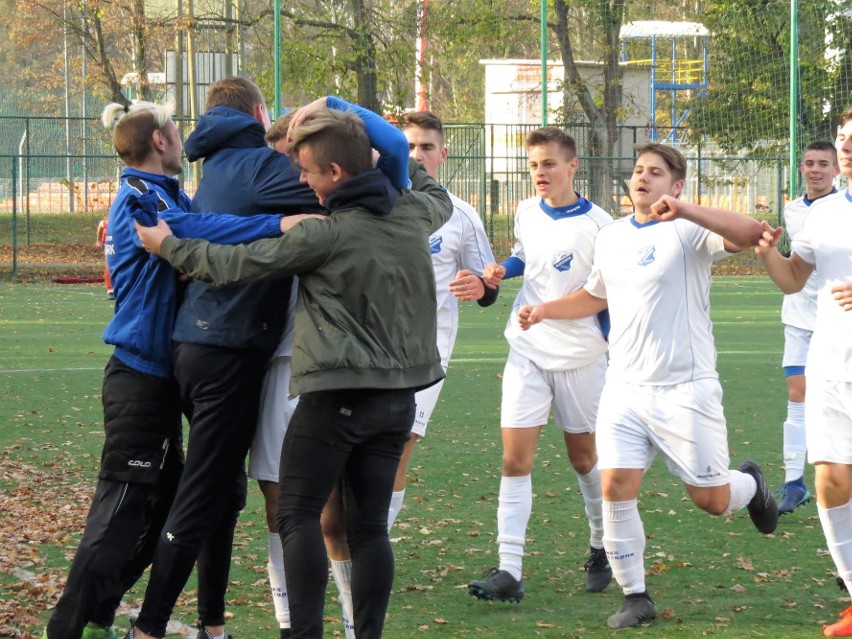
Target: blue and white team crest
{"points": [[562, 261], [646, 255], [435, 242]]}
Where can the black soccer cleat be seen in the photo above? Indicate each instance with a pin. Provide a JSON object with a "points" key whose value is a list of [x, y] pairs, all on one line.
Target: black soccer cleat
{"points": [[762, 508], [636, 609], [598, 570], [497, 585]]}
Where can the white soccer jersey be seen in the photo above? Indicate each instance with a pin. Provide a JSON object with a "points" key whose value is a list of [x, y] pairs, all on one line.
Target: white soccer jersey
{"points": [[799, 309], [461, 243], [656, 278], [557, 247], [285, 346], [826, 242]]}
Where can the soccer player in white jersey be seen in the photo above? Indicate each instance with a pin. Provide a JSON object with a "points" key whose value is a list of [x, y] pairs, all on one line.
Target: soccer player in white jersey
{"points": [[559, 365], [460, 252], [823, 246], [662, 394], [798, 313]]}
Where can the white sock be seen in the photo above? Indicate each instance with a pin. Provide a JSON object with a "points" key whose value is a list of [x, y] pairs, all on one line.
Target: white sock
{"points": [[397, 497], [590, 487], [837, 528], [341, 571], [624, 540], [513, 515], [275, 568], [743, 488], [795, 445]]}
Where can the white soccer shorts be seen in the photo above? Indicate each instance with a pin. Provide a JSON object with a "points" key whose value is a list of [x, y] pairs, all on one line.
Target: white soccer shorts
{"points": [[682, 423], [796, 343], [828, 416], [426, 401], [529, 393], [276, 409]]}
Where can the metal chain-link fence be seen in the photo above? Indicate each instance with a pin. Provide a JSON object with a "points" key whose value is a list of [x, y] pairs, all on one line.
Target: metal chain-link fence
{"points": [[60, 181]]}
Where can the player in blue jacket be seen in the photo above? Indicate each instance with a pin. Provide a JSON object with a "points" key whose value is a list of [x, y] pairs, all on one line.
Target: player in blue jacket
{"points": [[224, 338], [142, 456]]}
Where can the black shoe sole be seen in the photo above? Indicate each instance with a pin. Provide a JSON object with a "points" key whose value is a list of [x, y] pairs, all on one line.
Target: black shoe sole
{"points": [[480, 593]]}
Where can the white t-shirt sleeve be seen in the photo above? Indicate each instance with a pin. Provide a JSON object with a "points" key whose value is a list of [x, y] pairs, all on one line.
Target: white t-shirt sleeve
{"points": [[594, 283], [803, 245], [474, 251]]}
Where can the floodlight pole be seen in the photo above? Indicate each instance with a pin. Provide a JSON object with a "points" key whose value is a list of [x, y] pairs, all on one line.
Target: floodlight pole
{"points": [[794, 101], [543, 20], [276, 4]]}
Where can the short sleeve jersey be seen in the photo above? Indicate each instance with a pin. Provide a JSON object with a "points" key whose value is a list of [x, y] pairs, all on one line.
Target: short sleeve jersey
{"points": [[826, 242], [799, 309], [461, 243], [656, 279], [557, 248]]}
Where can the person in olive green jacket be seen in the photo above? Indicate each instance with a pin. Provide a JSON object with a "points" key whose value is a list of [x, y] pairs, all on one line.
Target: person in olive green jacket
{"points": [[364, 343]]}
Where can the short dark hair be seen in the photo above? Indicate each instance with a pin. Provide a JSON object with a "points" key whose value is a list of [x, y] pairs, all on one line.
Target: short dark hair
{"points": [[552, 134], [821, 145], [335, 136], [424, 120], [846, 116], [236, 92], [671, 156]]}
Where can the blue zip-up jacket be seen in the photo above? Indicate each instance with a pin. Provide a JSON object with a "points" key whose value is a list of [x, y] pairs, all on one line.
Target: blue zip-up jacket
{"points": [[242, 176], [146, 287]]}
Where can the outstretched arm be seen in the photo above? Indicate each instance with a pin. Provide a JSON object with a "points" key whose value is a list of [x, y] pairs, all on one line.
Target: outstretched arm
{"points": [[789, 273], [739, 231], [578, 304]]}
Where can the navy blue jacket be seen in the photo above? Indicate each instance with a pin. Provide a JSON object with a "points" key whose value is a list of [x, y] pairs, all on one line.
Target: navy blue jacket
{"points": [[242, 176], [146, 287]]}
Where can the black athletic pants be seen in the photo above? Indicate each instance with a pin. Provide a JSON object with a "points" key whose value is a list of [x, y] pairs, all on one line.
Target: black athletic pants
{"points": [[127, 512], [357, 436], [220, 388]]}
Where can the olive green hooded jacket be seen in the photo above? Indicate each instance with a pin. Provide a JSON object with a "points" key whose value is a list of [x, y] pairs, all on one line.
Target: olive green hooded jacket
{"points": [[365, 313]]}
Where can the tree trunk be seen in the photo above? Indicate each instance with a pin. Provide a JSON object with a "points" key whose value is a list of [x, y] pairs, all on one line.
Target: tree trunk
{"points": [[93, 38], [365, 59], [607, 15], [140, 56]]}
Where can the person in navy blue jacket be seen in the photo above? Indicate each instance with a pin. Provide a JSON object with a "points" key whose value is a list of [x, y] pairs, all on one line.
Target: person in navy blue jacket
{"points": [[223, 341], [142, 455]]}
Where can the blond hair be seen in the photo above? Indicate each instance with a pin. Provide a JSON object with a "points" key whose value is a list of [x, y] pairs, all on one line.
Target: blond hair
{"points": [[335, 137], [133, 126]]}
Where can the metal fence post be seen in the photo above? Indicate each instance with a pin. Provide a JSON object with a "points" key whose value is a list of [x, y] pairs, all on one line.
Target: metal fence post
{"points": [[14, 219]]}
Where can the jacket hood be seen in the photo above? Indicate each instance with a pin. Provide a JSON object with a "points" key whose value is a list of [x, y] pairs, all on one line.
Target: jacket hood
{"points": [[371, 190], [223, 127]]}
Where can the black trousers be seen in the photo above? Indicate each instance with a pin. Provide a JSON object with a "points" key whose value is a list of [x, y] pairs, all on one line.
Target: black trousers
{"points": [[125, 516], [220, 388], [356, 436]]}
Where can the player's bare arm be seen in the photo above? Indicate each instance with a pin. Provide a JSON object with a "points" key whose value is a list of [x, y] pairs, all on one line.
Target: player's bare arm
{"points": [[843, 295], [152, 236], [468, 286], [493, 274], [789, 274], [577, 305], [739, 231]]}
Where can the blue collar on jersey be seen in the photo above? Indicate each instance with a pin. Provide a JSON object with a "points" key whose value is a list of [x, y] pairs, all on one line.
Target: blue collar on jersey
{"points": [[580, 207], [809, 202], [848, 195], [642, 225]]}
